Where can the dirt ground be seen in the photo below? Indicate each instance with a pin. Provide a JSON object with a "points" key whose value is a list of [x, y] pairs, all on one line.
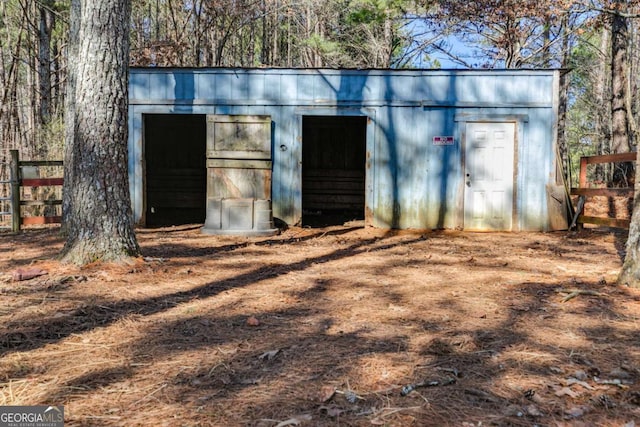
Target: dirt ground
{"points": [[326, 327]]}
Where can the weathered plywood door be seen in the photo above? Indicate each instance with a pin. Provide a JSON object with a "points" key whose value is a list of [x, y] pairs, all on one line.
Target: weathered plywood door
{"points": [[239, 157], [488, 176], [239, 175]]}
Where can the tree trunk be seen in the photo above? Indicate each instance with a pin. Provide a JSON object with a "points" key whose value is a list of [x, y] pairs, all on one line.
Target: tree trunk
{"points": [[602, 124], [265, 45], [630, 273], [96, 206], [620, 126], [563, 147], [57, 94], [44, 59]]}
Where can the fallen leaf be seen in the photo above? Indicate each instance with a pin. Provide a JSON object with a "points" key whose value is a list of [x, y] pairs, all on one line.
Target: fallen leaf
{"points": [[27, 273], [572, 381], [326, 393], [252, 321], [566, 391]]}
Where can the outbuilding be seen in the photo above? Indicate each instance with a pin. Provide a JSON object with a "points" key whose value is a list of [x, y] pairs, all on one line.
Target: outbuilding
{"points": [[422, 149]]}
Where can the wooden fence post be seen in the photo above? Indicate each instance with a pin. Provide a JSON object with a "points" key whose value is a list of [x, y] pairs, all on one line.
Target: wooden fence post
{"points": [[583, 173], [14, 171]]}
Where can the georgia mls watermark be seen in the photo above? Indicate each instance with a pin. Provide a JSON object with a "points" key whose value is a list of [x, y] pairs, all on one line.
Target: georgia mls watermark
{"points": [[31, 416]]}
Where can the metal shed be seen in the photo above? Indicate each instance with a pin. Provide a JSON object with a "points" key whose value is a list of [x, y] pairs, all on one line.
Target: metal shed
{"points": [[424, 149]]}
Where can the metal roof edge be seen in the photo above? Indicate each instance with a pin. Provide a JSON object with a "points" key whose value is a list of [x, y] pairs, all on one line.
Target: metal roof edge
{"points": [[381, 71]]}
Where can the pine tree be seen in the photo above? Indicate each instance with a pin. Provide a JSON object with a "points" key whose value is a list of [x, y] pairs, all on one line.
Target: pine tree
{"points": [[96, 206]]}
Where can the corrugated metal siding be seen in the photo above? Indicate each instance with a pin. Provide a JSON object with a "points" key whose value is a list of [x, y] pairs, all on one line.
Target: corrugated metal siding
{"points": [[411, 182]]}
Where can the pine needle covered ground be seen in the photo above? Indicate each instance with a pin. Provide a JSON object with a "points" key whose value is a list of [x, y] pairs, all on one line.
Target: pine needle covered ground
{"points": [[324, 327]]}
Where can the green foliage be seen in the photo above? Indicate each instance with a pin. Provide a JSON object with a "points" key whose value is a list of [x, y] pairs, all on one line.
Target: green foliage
{"points": [[61, 10], [372, 11], [334, 33], [583, 56], [587, 124], [330, 50], [321, 44]]}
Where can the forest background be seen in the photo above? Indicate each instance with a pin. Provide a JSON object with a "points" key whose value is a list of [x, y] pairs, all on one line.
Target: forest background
{"points": [[596, 40]]}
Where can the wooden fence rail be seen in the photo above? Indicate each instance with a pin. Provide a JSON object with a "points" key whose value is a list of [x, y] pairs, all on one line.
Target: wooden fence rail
{"points": [[584, 191], [17, 181]]}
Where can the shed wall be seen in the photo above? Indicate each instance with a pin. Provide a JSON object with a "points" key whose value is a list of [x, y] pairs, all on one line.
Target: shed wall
{"points": [[410, 182]]}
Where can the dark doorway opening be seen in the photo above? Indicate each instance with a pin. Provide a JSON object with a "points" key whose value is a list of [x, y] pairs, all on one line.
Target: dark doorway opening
{"points": [[333, 169], [175, 147]]}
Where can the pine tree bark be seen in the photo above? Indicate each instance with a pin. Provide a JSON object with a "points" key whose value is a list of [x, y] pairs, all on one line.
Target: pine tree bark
{"points": [[47, 19], [630, 273], [96, 207], [619, 67], [602, 124]]}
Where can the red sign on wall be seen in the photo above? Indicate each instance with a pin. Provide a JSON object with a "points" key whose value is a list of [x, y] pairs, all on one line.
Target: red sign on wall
{"points": [[443, 140]]}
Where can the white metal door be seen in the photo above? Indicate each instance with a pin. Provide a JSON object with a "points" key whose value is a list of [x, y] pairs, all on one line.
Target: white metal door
{"points": [[489, 158]]}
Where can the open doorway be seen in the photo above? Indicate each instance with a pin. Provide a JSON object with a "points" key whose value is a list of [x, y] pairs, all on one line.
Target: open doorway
{"points": [[333, 169], [175, 147]]}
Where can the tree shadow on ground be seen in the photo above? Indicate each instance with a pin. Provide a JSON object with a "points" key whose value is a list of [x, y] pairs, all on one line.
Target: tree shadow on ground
{"points": [[35, 332], [519, 361]]}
